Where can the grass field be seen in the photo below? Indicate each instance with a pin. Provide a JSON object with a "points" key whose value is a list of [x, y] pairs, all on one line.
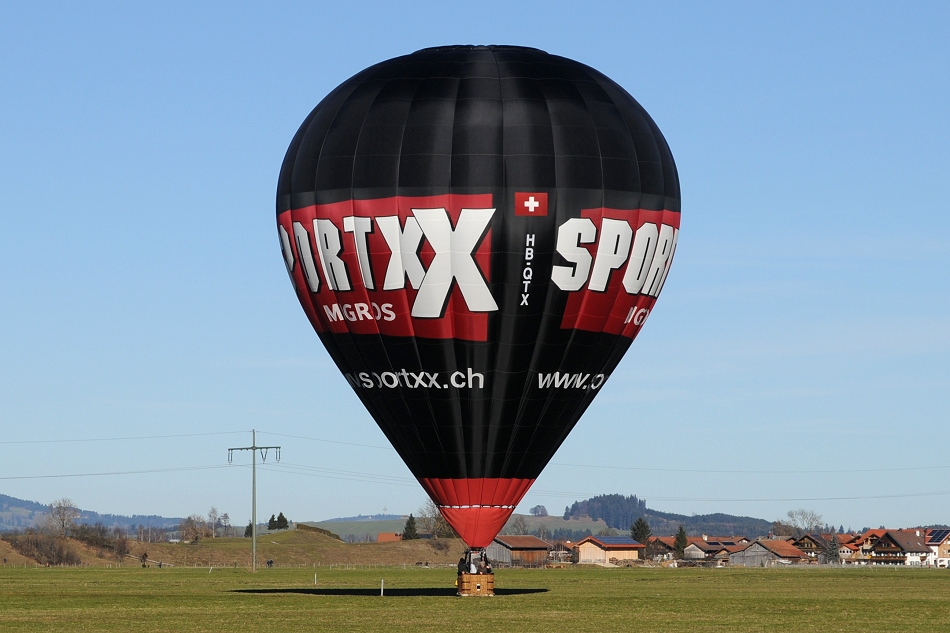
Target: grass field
{"points": [[186, 600]]}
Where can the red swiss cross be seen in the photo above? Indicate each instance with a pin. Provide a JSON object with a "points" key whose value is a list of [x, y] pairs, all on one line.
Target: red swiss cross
{"points": [[531, 203]]}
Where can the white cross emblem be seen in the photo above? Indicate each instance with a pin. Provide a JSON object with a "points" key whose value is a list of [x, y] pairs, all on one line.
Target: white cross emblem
{"points": [[531, 204]]}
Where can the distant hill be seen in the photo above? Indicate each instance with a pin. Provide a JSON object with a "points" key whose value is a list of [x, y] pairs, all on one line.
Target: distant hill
{"points": [[619, 512], [582, 517], [20, 514], [367, 517], [360, 529]]}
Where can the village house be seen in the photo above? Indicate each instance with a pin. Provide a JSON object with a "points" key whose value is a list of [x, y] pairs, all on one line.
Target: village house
{"points": [[767, 553], [662, 546], [711, 546], [601, 550], [899, 547], [700, 550], [815, 545], [518, 551], [865, 542], [848, 553], [939, 543], [861, 549]]}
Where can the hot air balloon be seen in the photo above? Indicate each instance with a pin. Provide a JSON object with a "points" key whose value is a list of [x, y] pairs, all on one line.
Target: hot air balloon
{"points": [[477, 234]]}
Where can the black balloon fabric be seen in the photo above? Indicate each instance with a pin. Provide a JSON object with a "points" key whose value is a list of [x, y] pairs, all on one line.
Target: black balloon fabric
{"points": [[477, 233]]}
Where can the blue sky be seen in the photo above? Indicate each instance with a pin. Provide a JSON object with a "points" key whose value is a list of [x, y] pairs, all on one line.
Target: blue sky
{"points": [[798, 356]]}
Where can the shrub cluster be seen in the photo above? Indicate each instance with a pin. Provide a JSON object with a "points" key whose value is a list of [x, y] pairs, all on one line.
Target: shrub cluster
{"points": [[43, 548], [105, 540]]}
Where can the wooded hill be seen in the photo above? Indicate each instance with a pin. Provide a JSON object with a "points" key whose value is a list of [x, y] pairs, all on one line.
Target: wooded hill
{"points": [[19, 514], [619, 512]]}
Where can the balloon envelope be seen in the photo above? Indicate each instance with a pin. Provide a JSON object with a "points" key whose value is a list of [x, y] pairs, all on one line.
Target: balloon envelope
{"points": [[477, 233]]}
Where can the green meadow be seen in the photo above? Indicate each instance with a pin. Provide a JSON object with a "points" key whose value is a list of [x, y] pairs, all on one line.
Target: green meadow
{"points": [[581, 599]]}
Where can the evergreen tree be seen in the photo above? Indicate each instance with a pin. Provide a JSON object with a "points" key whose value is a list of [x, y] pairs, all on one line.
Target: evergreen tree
{"points": [[281, 522], [249, 530], [640, 531], [680, 543], [409, 531], [831, 555], [272, 523]]}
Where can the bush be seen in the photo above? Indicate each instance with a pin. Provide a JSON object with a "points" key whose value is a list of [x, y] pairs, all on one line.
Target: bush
{"points": [[103, 538], [44, 549]]}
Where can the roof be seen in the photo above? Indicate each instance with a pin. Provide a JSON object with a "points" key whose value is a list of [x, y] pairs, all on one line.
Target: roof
{"points": [[780, 548], [725, 540], [663, 540], [708, 546], [938, 536], [613, 542], [521, 542], [709, 543], [908, 541], [878, 533], [388, 537]]}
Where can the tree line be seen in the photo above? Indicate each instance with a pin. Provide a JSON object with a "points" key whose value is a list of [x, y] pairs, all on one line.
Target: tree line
{"points": [[48, 543], [620, 512]]}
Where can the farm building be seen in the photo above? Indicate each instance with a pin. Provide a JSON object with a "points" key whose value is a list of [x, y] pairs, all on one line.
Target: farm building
{"points": [[518, 551], [767, 553], [605, 549]]}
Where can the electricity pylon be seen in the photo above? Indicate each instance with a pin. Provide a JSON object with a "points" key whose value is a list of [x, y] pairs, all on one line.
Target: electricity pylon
{"points": [[254, 448]]}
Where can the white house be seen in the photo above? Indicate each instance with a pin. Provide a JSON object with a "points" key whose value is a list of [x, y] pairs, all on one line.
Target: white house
{"points": [[939, 543]]}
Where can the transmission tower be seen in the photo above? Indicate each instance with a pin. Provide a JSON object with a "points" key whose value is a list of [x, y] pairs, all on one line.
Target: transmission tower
{"points": [[254, 448]]}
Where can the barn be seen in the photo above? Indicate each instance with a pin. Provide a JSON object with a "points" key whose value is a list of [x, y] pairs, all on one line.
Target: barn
{"points": [[767, 553], [518, 551], [600, 550]]}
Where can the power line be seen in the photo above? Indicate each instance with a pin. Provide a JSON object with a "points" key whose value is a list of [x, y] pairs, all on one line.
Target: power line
{"points": [[343, 475], [108, 474], [317, 439], [563, 494], [325, 473], [402, 481], [902, 495], [706, 471], [751, 472], [117, 439]]}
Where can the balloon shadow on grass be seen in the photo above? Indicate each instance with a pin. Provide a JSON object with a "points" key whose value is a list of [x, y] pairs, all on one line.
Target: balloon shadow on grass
{"points": [[394, 592]]}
